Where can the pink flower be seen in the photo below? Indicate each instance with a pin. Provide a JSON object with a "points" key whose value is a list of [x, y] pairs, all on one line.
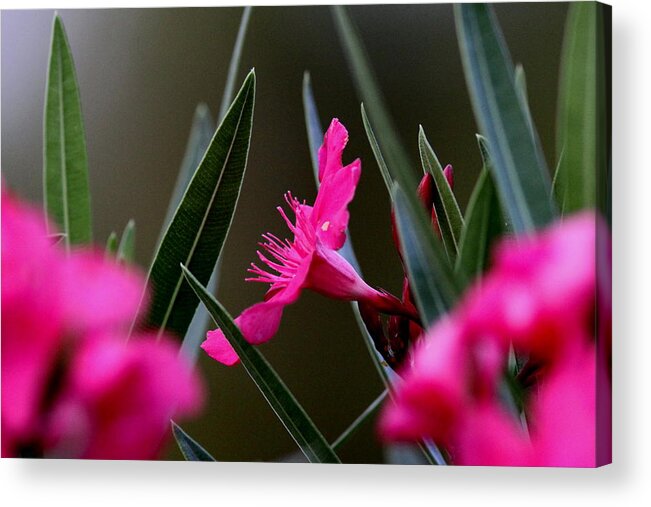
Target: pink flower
{"points": [[539, 295], [310, 260], [541, 288], [119, 398], [71, 384]]}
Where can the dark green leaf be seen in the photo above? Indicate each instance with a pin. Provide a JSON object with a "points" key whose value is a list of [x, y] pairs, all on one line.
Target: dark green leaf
{"points": [[484, 223], [66, 193], [127, 249], [521, 176], [200, 321], [189, 447], [369, 91], [447, 210], [200, 225], [430, 275], [282, 401], [581, 136]]}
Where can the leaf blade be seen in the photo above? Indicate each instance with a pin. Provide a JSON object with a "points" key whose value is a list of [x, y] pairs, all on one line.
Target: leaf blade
{"points": [[189, 447], [201, 223], [483, 225], [521, 175], [580, 142], [377, 152], [65, 161], [282, 401], [430, 275]]}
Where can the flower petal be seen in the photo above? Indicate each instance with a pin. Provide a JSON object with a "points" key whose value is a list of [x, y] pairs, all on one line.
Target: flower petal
{"points": [[334, 142]]}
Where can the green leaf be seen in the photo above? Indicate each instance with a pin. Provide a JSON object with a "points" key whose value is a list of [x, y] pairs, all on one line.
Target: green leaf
{"points": [[111, 249], [445, 203], [315, 134], [282, 401], [484, 223], [521, 175], [369, 412], [127, 249], [581, 135], [65, 168], [200, 225], [375, 147], [196, 331], [430, 275], [189, 447], [369, 91]]}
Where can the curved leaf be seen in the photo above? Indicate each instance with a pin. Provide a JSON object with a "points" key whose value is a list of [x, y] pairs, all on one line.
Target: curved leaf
{"points": [[198, 230], [65, 162], [282, 401], [521, 175]]}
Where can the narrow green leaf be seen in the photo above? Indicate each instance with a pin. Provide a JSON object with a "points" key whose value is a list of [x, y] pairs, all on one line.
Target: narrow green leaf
{"points": [[196, 331], [521, 175], [581, 109], [127, 249], [65, 163], [200, 225], [447, 208], [370, 93], [282, 401], [315, 135], [484, 223], [369, 412], [189, 447], [430, 275], [111, 249], [375, 147]]}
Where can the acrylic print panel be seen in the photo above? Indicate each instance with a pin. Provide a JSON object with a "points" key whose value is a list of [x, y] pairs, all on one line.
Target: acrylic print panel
{"points": [[464, 150]]}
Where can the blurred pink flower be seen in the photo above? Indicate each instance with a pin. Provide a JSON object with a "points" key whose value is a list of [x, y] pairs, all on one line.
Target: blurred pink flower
{"points": [[71, 384], [540, 296], [310, 260]]}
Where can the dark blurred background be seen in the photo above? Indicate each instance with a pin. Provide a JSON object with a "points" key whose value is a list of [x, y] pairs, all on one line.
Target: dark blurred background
{"points": [[141, 74]]}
